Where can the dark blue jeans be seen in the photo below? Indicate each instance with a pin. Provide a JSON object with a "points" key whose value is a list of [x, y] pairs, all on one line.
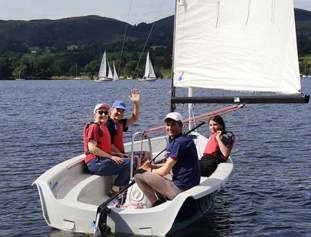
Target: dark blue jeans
{"points": [[106, 167]]}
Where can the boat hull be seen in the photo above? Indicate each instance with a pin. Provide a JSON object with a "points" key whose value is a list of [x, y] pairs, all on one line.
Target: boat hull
{"points": [[70, 197], [148, 79], [103, 79]]}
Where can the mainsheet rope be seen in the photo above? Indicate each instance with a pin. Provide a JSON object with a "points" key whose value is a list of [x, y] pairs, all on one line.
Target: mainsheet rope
{"points": [[202, 117]]}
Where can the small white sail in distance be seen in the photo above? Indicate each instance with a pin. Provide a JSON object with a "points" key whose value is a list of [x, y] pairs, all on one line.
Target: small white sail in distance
{"points": [[149, 71], [103, 67], [110, 76], [115, 74]]}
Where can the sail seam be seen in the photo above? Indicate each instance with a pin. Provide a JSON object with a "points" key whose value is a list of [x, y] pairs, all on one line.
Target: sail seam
{"points": [[218, 13], [248, 11], [273, 8]]}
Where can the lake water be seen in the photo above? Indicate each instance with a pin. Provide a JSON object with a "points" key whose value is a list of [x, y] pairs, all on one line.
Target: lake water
{"points": [[269, 193]]}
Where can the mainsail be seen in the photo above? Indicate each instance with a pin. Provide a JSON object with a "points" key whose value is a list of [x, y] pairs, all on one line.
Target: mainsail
{"points": [[240, 45], [149, 71], [110, 76], [103, 67], [115, 74]]}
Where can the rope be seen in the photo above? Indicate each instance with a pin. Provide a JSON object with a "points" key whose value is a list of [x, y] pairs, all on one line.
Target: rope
{"points": [[143, 50], [203, 117], [125, 32]]}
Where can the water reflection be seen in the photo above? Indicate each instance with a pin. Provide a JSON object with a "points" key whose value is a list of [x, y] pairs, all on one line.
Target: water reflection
{"points": [[217, 222]]}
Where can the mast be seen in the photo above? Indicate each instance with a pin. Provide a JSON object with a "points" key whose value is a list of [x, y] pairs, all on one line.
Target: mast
{"points": [[173, 90], [190, 107]]}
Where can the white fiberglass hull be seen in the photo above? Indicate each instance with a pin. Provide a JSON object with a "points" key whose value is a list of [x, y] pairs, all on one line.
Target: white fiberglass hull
{"points": [[148, 79], [103, 79], [70, 197]]}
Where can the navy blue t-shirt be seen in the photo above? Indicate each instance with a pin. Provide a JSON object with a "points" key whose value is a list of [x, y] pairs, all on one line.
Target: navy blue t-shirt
{"points": [[186, 173]]}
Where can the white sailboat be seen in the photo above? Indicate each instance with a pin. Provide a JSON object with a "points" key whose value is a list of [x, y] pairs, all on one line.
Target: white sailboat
{"points": [[20, 78], [256, 40], [77, 77], [110, 76], [149, 71], [115, 74], [102, 74]]}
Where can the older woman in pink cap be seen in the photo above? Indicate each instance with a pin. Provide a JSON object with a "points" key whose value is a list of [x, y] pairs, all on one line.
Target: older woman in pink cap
{"points": [[99, 157]]}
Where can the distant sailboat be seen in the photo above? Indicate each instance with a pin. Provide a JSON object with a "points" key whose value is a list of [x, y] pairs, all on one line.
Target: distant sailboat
{"points": [[149, 71], [77, 77], [115, 74], [102, 74], [19, 78], [110, 76]]}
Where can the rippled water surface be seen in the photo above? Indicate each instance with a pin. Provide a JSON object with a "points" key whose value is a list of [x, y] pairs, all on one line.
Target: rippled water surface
{"points": [[269, 193]]}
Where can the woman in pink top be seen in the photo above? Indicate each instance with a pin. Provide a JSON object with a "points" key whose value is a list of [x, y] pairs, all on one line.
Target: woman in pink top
{"points": [[218, 147]]}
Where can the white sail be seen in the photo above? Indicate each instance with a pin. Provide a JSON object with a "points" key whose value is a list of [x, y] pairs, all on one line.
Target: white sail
{"points": [[149, 71], [115, 74], [103, 67], [244, 45], [110, 76]]}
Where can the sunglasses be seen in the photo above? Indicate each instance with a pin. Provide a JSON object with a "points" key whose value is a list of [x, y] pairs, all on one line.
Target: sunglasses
{"points": [[101, 112], [120, 110]]}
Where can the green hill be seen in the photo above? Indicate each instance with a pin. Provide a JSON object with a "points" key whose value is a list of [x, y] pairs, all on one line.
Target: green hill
{"points": [[303, 29], [95, 29], [76, 30]]}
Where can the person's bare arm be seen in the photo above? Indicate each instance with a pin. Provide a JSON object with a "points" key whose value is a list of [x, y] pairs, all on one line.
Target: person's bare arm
{"points": [[160, 169], [135, 98], [99, 152]]}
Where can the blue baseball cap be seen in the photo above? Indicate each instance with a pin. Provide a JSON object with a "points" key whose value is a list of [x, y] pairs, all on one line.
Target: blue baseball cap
{"points": [[118, 104]]}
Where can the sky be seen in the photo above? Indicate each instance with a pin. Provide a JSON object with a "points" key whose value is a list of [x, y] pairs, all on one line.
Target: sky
{"points": [[132, 11]]}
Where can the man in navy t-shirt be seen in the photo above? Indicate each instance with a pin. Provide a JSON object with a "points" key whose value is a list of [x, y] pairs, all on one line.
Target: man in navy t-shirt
{"points": [[182, 160]]}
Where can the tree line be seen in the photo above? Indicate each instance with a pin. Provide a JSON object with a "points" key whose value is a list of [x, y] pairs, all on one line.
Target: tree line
{"points": [[84, 60], [80, 60], [304, 52]]}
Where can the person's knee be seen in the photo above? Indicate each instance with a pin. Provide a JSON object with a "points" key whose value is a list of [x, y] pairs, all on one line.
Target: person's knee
{"points": [[136, 177], [126, 163], [126, 167], [208, 171]]}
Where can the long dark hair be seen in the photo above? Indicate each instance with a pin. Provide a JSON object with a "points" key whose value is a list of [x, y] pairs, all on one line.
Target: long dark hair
{"points": [[218, 119]]}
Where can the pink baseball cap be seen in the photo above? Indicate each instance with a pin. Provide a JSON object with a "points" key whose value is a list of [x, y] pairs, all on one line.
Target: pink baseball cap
{"points": [[101, 106]]}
